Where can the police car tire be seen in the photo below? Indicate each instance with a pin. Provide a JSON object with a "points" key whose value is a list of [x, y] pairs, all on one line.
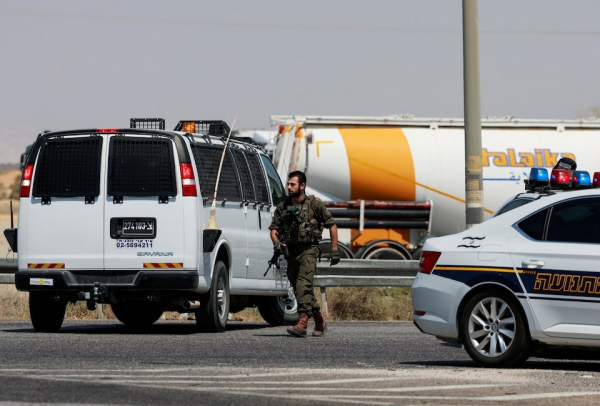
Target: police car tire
{"points": [[211, 316], [137, 313], [46, 313], [519, 348]]}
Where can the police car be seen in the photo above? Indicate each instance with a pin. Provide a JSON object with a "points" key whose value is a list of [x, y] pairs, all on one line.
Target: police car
{"points": [[523, 280]]}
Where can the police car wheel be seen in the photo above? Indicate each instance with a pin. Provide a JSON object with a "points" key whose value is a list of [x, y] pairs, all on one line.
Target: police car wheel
{"points": [[137, 313], [47, 314], [493, 330], [212, 314]]}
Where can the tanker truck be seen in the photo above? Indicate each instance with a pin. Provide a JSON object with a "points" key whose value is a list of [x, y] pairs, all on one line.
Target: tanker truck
{"points": [[393, 181]]}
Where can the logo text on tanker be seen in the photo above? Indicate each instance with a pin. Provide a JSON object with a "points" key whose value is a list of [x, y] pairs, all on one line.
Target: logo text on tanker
{"points": [[539, 158]]}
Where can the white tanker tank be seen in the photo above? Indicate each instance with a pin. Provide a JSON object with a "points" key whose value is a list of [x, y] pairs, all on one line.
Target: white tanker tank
{"points": [[420, 160]]}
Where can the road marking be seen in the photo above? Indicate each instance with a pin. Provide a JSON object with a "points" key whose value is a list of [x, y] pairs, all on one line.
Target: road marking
{"points": [[538, 396], [238, 376], [194, 379], [237, 384]]}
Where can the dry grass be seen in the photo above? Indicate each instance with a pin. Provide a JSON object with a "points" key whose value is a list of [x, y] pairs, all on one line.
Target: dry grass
{"points": [[367, 303], [13, 304], [373, 304]]}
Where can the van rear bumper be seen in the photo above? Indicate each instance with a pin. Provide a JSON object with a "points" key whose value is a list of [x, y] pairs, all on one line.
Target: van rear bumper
{"points": [[56, 279]]}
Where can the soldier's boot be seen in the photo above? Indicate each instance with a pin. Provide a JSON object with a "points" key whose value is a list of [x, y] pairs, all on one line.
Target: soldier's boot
{"points": [[299, 330], [320, 325]]}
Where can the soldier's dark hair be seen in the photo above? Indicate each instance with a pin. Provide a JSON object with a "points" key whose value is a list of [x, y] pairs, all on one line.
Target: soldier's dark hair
{"points": [[300, 175]]}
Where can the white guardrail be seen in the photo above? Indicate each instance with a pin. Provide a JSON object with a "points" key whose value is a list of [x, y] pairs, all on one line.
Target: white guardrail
{"points": [[349, 272]]}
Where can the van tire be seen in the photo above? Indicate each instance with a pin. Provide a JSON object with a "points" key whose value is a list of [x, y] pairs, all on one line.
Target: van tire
{"points": [[47, 314], [277, 311], [137, 314], [211, 316]]}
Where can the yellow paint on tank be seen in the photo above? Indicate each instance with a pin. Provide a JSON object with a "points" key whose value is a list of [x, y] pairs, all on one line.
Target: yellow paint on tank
{"points": [[381, 163]]}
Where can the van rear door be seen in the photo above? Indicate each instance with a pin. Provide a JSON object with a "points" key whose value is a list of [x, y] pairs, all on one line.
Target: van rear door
{"points": [[144, 209], [62, 222]]}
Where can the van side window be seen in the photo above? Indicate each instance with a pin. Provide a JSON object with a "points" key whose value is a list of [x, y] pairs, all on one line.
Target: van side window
{"points": [[275, 186], [140, 166], [245, 177], [258, 177], [69, 167], [208, 158]]}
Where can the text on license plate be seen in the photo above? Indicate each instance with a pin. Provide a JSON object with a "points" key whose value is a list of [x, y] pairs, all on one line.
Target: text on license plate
{"points": [[134, 243], [137, 227]]}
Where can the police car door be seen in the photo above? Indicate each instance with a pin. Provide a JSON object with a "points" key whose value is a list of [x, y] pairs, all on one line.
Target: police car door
{"points": [[61, 210], [559, 266], [144, 205]]}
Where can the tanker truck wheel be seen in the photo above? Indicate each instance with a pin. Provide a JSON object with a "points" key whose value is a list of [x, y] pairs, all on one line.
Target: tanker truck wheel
{"points": [[385, 249], [344, 250]]}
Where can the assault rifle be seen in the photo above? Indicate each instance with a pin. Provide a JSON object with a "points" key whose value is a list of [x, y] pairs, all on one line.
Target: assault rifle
{"points": [[285, 237]]}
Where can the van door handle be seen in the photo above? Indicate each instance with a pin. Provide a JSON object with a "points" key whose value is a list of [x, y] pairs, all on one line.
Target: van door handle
{"points": [[259, 221], [532, 263]]}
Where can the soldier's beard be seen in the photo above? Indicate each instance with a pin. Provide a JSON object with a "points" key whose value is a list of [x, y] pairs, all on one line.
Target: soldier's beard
{"points": [[297, 193]]}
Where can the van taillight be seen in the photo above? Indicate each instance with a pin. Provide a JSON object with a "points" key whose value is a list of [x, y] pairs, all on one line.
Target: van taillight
{"points": [[188, 182], [428, 260], [26, 182]]}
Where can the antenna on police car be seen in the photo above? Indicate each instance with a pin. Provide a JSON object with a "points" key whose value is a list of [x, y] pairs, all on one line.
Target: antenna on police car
{"points": [[212, 222]]}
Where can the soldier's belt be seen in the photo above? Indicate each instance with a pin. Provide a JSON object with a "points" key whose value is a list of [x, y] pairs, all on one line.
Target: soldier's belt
{"points": [[301, 246]]}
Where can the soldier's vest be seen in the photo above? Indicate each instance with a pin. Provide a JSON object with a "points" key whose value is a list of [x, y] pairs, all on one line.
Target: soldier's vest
{"points": [[308, 229]]}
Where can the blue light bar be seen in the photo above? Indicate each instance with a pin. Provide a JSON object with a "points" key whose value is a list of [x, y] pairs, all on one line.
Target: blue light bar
{"points": [[581, 178], [539, 175]]}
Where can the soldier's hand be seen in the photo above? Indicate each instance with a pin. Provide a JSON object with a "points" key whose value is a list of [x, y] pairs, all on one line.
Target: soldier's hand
{"points": [[335, 257], [277, 246]]}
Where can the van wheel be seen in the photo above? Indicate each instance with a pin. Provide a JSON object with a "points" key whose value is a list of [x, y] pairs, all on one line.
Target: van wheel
{"points": [[47, 314], [494, 331], [211, 316], [137, 314], [279, 310]]}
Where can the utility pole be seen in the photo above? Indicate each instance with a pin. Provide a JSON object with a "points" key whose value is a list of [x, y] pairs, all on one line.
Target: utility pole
{"points": [[473, 164]]}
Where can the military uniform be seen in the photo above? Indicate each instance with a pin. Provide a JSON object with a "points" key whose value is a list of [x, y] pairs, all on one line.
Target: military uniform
{"points": [[300, 227]]}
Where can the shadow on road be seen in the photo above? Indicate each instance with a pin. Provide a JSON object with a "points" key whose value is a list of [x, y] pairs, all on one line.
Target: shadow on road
{"points": [[160, 328]]}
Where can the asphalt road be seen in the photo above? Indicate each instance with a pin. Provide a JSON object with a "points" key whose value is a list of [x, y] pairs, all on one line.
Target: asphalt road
{"points": [[94, 362]]}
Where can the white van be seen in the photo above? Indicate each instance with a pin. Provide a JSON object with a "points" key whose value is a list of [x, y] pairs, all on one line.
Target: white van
{"points": [[119, 216]]}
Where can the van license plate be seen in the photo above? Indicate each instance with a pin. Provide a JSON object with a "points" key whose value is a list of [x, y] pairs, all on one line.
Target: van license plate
{"points": [[136, 227]]}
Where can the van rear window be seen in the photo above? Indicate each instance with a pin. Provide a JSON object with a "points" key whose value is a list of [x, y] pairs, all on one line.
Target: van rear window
{"points": [[141, 167], [69, 168]]}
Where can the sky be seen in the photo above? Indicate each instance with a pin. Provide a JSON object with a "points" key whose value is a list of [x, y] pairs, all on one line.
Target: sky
{"points": [[84, 64]]}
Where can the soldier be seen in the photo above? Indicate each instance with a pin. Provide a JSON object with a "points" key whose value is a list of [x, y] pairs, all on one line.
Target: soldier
{"points": [[296, 229]]}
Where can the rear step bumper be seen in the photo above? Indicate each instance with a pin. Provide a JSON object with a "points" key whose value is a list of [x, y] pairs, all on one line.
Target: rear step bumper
{"points": [[55, 279]]}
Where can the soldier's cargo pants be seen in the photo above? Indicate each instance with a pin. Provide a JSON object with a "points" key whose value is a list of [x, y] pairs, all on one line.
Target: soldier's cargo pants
{"points": [[301, 269]]}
